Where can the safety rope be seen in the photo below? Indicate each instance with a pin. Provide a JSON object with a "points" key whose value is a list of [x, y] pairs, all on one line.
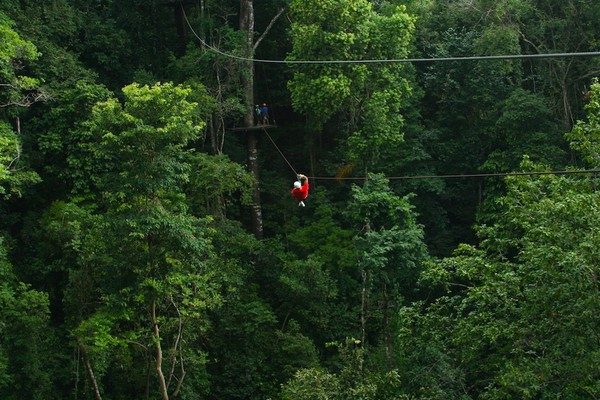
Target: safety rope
{"points": [[279, 150], [409, 60], [453, 176], [398, 60], [449, 176]]}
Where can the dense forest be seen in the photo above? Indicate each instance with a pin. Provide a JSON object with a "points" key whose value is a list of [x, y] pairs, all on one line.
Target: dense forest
{"points": [[150, 248]]}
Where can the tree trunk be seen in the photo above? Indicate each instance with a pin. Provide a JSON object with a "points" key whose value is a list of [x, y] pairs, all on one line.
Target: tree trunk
{"points": [[387, 328], [77, 353], [159, 356], [202, 19], [212, 134], [257, 221], [148, 366], [363, 307], [90, 371], [567, 113], [220, 123], [364, 296], [181, 29], [247, 26]]}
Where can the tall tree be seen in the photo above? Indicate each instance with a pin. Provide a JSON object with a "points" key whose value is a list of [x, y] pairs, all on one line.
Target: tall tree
{"points": [[391, 254], [18, 90], [517, 316], [25, 357], [585, 136], [146, 297], [249, 50], [366, 99]]}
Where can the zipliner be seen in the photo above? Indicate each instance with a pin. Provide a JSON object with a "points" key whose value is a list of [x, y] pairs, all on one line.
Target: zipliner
{"points": [[300, 190]]}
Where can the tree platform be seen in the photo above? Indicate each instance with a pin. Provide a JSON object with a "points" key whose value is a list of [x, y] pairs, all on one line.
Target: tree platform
{"points": [[252, 128]]}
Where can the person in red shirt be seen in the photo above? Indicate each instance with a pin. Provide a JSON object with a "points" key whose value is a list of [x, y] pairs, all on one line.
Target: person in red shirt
{"points": [[300, 190]]}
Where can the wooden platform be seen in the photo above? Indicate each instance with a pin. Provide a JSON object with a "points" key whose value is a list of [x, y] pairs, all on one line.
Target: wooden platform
{"points": [[252, 128], [176, 2]]}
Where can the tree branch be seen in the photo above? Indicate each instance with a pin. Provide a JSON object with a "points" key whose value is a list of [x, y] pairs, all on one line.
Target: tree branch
{"points": [[264, 34], [176, 344], [138, 344], [180, 381], [90, 370], [589, 74], [27, 100], [459, 285], [159, 355], [17, 157], [536, 47]]}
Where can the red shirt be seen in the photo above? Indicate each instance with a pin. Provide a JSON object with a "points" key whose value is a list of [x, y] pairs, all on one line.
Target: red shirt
{"points": [[302, 192]]}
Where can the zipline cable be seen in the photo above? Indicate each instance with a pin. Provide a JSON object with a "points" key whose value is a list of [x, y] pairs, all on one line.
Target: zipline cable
{"points": [[279, 150], [389, 61], [456, 176], [448, 176], [409, 60]]}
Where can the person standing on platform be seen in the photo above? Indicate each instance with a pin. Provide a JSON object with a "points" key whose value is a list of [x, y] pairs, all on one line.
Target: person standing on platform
{"points": [[264, 114], [257, 114]]}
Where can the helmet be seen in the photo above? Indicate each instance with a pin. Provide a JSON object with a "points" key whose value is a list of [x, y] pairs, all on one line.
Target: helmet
{"points": [[297, 184]]}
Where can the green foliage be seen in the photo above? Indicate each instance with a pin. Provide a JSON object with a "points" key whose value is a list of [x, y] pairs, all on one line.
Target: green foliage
{"points": [[325, 238], [308, 293], [323, 280], [140, 249], [524, 128], [390, 228], [568, 26], [371, 97], [488, 115], [515, 317], [140, 218], [312, 384], [351, 382], [390, 255], [297, 351], [215, 180], [16, 89], [378, 205], [585, 136], [53, 28], [15, 53], [141, 142], [13, 178], [8, 148], [25, 364], [65, 145]]}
